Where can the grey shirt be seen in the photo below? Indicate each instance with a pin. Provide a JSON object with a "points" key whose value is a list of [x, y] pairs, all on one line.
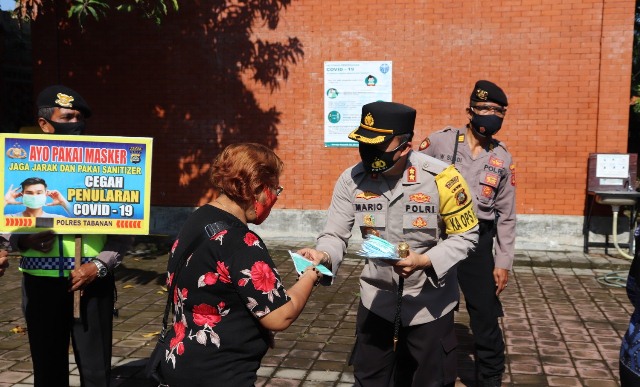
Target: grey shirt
{"points": [[410, 209], [491, 177]]}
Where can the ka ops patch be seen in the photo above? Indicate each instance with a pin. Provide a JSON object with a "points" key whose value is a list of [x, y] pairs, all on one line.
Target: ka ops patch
{"points": [[456, 205]]}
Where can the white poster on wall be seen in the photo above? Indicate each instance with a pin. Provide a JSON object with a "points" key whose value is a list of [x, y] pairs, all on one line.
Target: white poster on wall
{"points": [[348, 86]]}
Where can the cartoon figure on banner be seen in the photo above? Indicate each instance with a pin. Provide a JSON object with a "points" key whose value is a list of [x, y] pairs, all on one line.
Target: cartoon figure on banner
{"points": [[332, 93], [34, 197], [371, 80]]}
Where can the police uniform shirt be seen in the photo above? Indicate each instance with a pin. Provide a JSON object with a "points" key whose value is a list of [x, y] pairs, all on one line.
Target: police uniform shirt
{"points": [[491, 177], [409, 211]]}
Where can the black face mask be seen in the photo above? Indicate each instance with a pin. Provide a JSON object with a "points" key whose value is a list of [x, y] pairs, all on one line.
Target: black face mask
{"points": [[375, 160], [491, 124], [75, 128]]}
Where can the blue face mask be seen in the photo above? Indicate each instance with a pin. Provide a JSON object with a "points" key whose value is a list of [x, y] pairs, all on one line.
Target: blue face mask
{"points": [[34, 201]]}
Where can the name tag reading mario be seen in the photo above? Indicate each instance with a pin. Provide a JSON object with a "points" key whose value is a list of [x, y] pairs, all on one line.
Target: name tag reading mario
{"points": [[456, 207]]}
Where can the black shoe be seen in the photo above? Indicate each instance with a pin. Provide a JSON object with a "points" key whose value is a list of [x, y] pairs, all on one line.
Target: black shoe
{"points": [[493, 381]]}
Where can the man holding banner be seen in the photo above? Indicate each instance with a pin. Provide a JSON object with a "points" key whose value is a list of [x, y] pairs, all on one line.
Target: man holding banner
{"points": [[50, 277]]}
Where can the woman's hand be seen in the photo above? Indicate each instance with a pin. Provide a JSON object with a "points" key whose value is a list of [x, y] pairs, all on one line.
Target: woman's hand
{"points": [[316, 256]]}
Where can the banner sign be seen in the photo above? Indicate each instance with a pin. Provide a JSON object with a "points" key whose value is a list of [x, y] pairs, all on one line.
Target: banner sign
{"points": [[348, 86], [75, 184]]}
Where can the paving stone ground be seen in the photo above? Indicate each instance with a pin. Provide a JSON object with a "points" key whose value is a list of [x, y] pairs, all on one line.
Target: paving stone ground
{"points": [[564, 319]]}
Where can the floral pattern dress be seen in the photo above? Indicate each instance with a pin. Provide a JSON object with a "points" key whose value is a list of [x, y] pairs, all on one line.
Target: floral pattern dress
{"points": [[630, 348], [223, 288]]}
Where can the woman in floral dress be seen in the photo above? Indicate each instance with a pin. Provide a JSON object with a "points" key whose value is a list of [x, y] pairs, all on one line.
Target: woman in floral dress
{"points": [[630, 348], [228, 294]]}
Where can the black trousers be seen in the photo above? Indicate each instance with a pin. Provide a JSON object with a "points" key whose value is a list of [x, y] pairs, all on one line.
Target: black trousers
{"points": [[475, 276], [48, 309], [425, 355], [627, 377]]}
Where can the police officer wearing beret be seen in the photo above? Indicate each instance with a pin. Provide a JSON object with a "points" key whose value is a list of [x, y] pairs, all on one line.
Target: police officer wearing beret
{"points": [[50, 278], [489, 169], [401, 196]]}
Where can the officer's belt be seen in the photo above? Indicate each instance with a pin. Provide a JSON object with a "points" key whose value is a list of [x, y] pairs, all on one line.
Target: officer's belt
{"points": [[49, 263], [486, 226]]}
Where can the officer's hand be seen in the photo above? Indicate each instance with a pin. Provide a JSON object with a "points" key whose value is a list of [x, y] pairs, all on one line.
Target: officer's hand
{"points": [[414, 262], [83, 276], [42, 241], [501, 276], [317, 257], [4, 262]]}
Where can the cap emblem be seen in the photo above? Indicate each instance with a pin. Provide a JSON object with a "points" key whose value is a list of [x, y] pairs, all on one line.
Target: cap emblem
{"points": [[64, 100], [482, 94], [368, 119], [378, 164]]}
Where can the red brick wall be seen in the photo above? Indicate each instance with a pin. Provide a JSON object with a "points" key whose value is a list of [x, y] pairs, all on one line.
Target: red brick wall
{"points": [[564, 65]]}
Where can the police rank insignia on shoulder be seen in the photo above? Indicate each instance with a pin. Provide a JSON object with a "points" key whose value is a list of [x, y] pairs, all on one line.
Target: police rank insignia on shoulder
{"points": [[424, 144], [512, 167], [411, 175]]}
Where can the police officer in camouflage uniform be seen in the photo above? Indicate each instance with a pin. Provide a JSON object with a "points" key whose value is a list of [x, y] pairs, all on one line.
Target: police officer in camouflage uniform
{"points": [[488, 167], [401, 195], [50, 278]]}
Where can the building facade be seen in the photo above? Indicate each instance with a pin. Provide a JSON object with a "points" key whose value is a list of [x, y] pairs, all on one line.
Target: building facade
{"points": [[214, 74]]}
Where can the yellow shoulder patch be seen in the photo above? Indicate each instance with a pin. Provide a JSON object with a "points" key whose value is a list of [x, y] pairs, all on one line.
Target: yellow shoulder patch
{"points": [[456, 205]]}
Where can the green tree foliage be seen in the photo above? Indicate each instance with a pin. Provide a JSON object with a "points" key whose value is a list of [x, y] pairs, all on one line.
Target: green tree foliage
{"points": [[96, 9]]}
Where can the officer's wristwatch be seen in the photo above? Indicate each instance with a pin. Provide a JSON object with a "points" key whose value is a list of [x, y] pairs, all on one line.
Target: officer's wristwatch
{"points": [[102, 268]]}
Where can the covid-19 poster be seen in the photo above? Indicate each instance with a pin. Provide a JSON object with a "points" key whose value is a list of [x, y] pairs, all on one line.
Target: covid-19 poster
{"points": [[348, 86], [75, 185]]}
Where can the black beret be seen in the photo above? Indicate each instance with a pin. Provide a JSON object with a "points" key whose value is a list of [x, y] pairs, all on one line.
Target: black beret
{"points": [[381, 121], [485, 91], [62, 97]]}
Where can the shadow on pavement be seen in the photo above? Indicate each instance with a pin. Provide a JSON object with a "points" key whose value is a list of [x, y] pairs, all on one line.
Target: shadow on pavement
{"points": [[466, 364], [139, 276], [131, 375]]}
